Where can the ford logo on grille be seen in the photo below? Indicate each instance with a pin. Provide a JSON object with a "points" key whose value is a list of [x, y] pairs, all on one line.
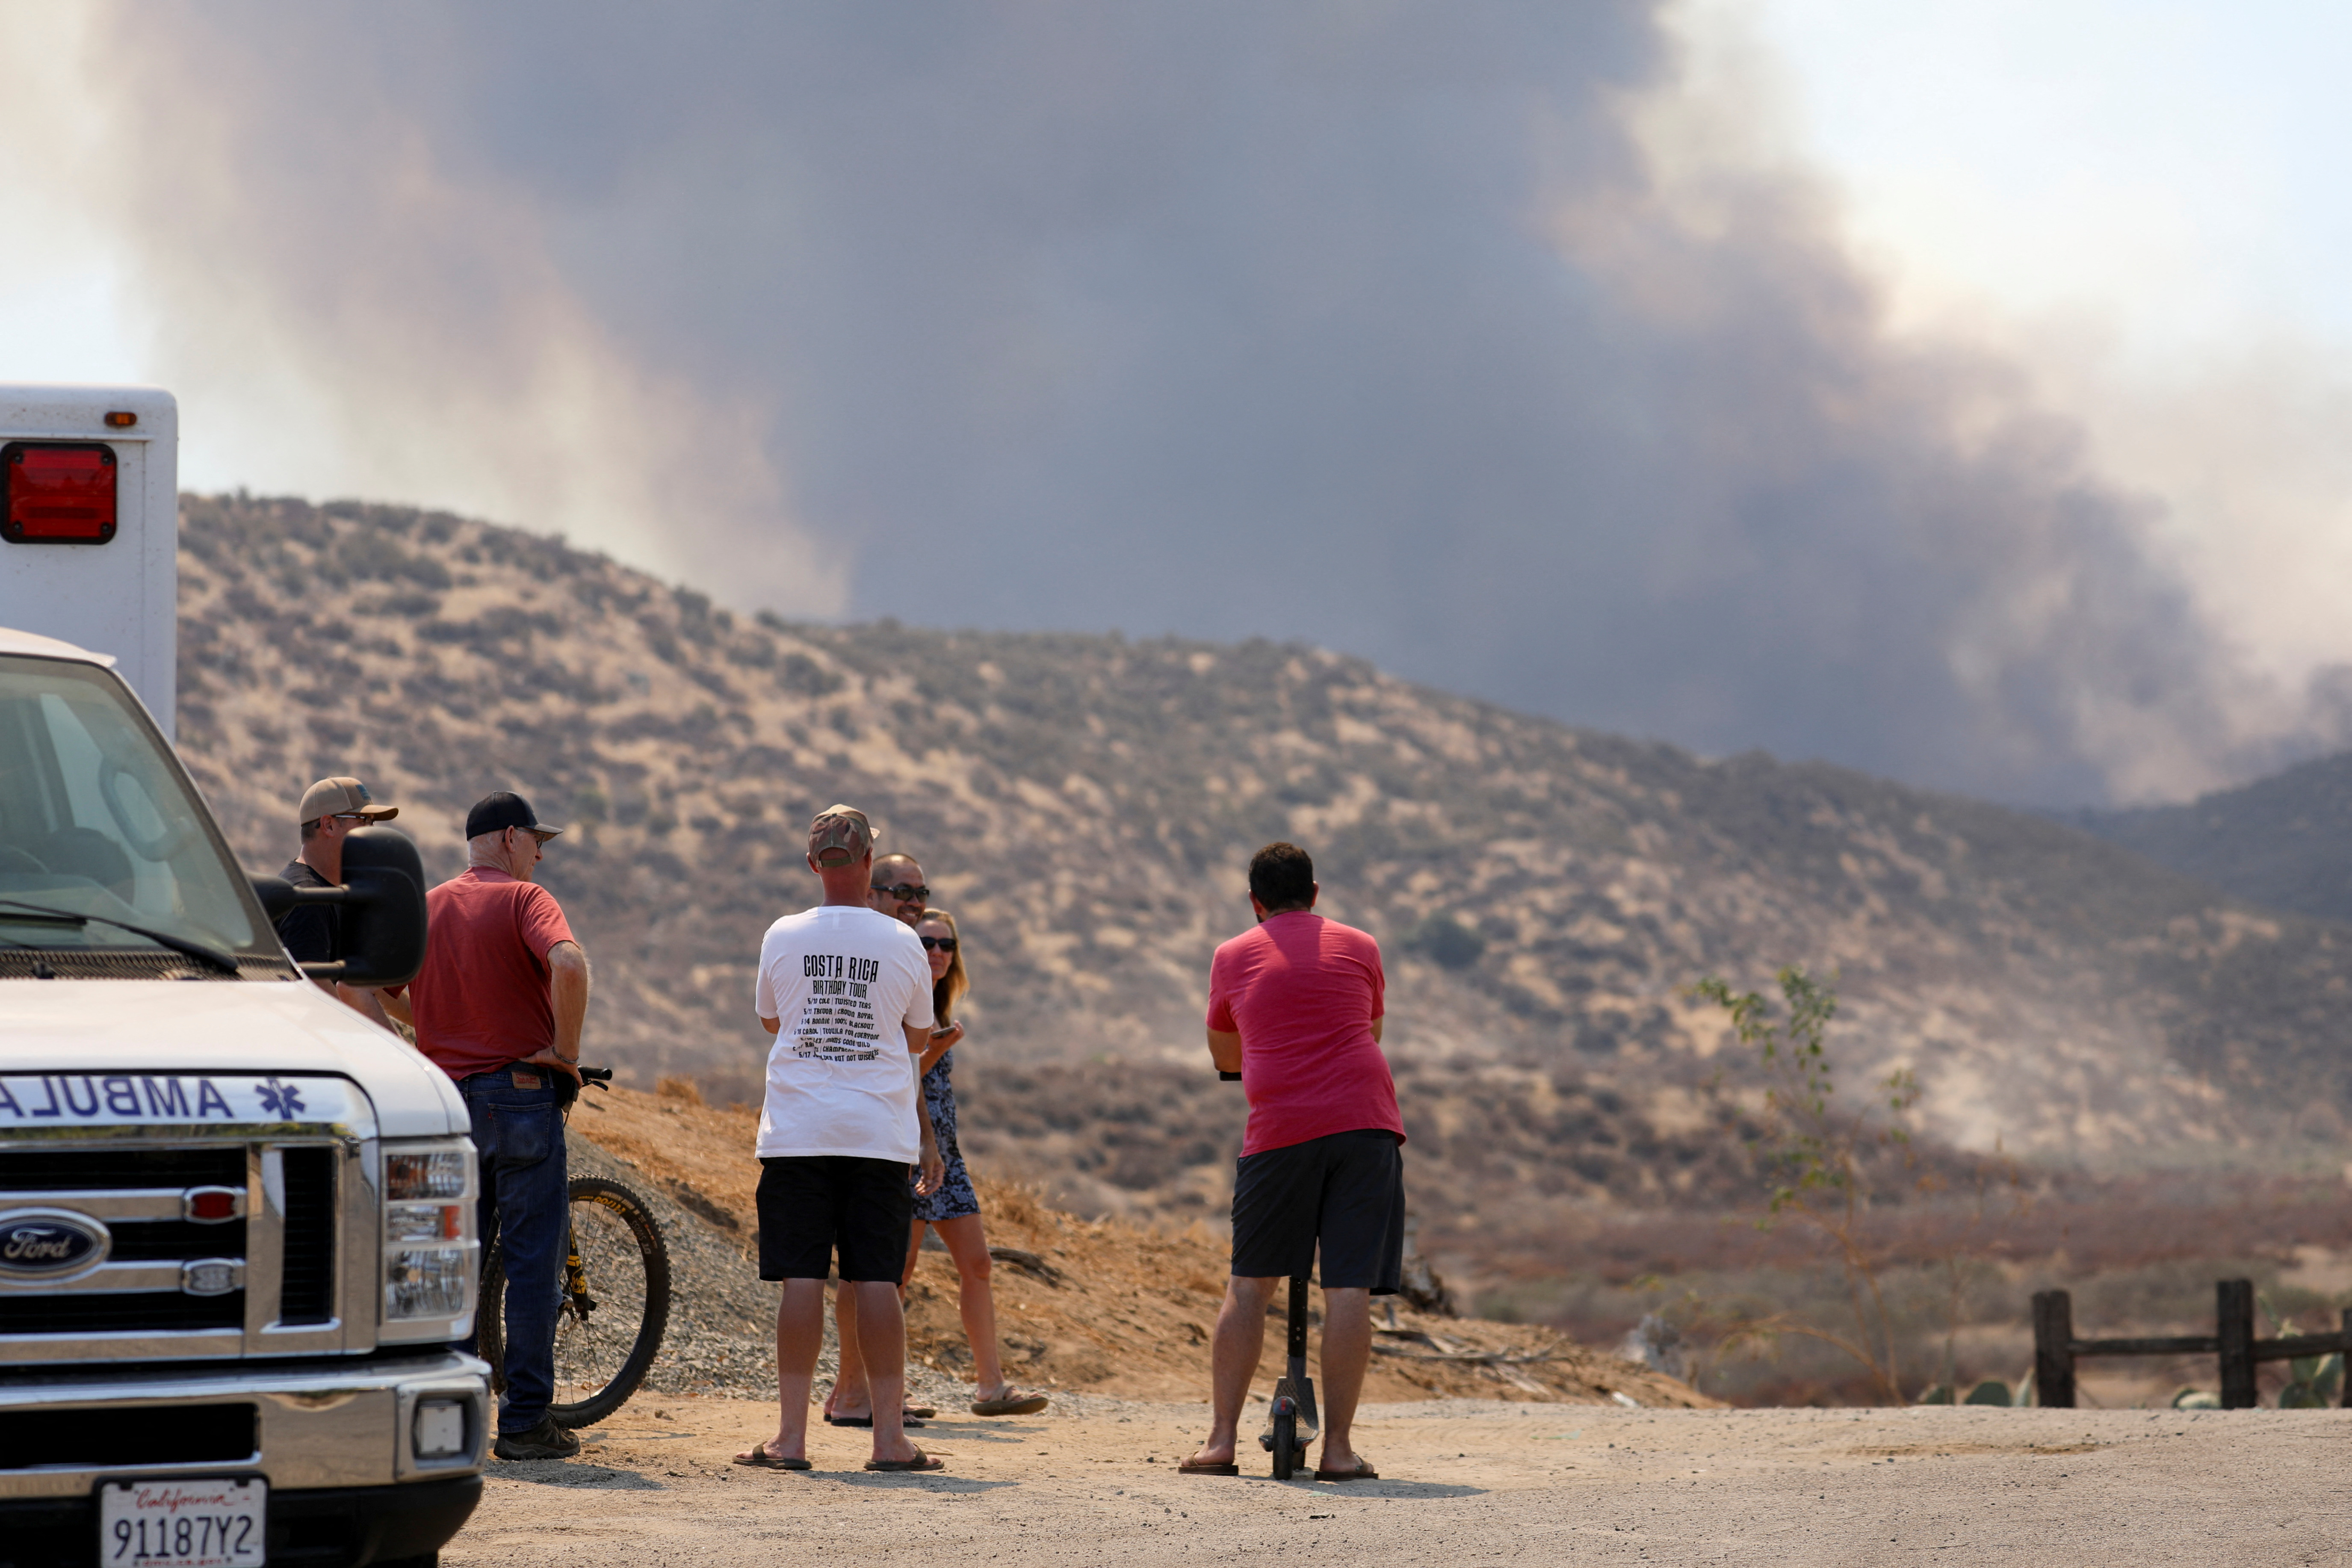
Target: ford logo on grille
{"points": [[48, 1244]]}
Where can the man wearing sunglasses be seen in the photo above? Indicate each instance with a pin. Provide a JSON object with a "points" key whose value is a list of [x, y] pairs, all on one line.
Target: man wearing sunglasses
{"points": [[314, 933], [498, 1007], [897, 888]]}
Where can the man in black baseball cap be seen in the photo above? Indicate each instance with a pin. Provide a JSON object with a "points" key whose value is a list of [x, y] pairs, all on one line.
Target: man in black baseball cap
{"points": [[502, 809], [498, 1007]]}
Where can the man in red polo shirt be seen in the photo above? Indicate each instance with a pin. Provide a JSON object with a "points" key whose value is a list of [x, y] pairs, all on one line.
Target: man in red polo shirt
{"points": [[1295, 1007]]}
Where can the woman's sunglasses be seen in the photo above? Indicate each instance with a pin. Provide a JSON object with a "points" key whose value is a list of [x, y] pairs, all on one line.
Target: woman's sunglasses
{"points": [[944, 943]]}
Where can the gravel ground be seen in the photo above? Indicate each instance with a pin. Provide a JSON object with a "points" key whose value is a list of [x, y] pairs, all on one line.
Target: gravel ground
{"points": [[722, 1317], [1465, 1481]]}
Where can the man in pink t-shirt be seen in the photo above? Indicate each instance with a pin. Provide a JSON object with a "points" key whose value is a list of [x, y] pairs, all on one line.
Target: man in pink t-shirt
{"points": [[1295, 1007]]}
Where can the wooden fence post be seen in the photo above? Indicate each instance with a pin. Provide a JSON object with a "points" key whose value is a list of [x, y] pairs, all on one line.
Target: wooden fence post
{"points": [[2346, 1381], [2053, 1350], [2234, 1310]]}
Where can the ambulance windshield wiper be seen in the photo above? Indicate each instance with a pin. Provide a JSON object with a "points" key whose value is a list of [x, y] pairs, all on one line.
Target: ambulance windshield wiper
{"points": [[224, 961]]}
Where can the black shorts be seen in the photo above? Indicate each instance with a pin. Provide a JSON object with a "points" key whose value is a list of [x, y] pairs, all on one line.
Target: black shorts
{"points": [[811, 1206], [1347, 1190]]}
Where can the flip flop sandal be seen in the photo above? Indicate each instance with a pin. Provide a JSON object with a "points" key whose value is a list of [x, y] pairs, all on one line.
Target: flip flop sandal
{"points": [[1189, 1469], [1015, 1404], [912, 1411], [1362, 1472], [921, 1461], [909, 1419], [761, 1459]]}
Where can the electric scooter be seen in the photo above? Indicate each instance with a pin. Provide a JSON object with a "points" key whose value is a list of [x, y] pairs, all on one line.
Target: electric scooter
{"points": [[1295, 1422]]}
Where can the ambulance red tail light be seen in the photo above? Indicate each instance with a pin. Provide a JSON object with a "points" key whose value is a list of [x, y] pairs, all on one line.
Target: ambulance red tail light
{"points": [[60, 492]]}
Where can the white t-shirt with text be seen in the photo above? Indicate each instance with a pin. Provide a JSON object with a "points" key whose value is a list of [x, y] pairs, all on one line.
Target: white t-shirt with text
{"points": [[844, 983]]}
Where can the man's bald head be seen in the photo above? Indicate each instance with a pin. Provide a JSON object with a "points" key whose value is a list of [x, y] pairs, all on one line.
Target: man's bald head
{"points": [[892, 872]]}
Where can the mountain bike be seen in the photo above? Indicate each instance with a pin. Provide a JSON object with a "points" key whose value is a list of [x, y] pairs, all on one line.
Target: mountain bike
{"points": [[613, 1303]]}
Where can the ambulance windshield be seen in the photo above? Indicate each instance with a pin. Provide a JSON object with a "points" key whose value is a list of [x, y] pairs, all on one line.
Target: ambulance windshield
{"points": [[98, 827]]}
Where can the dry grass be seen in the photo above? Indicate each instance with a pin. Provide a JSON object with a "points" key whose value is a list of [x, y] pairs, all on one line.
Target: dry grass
{"points": [[1119, 1308]]}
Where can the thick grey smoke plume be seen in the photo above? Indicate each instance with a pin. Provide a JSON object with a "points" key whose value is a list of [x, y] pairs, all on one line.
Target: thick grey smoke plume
{"points": [[1358, 323]]}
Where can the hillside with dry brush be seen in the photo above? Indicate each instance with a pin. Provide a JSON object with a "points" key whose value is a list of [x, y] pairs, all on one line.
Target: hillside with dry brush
{"points": [[1086, 804]]}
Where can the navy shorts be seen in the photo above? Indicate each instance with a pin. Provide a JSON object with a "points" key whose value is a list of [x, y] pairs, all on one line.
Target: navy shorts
{"points": [[813, 1207], [1346, 1190]]}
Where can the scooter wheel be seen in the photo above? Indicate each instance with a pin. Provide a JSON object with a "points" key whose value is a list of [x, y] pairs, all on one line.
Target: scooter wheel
{"points": [[1286, 1455]]}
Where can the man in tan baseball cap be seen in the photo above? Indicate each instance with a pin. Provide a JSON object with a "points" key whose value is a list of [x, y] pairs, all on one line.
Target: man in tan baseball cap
{"points": [[846, 992], [340, 798], [313, 933], [839, 836]]}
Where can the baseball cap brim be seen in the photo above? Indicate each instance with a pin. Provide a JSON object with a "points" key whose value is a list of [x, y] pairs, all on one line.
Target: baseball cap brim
{"points": [[379, 812]]}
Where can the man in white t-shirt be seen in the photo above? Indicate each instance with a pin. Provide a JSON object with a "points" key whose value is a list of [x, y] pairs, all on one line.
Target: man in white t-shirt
{"points": [[847, 993]]}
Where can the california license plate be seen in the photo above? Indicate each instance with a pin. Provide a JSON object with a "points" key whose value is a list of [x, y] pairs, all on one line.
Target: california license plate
{"points": [[181, 1523]]}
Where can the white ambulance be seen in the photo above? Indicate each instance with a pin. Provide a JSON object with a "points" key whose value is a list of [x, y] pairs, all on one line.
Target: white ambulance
{"points": [[237, 1249]]}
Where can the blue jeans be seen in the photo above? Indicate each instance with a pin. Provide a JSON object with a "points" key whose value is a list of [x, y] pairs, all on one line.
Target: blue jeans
{"points": [[527, 1208]]}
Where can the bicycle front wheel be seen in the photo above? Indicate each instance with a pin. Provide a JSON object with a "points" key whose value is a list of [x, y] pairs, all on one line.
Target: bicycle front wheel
{"points": [[611, 1311]]}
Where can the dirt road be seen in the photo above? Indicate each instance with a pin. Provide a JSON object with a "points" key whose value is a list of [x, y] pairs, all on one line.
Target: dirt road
{"points": [[1469, 1482]]}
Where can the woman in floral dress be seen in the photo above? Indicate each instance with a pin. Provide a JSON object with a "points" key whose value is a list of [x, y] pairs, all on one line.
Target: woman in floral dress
{"points": [[953, 1210]]}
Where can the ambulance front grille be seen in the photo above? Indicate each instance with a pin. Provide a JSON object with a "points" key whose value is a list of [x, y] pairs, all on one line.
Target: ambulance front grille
{"points": [[173, 1283]]}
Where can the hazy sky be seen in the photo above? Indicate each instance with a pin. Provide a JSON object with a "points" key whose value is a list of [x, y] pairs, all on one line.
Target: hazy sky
{"points": [[1954, 391], [2142, 206]]}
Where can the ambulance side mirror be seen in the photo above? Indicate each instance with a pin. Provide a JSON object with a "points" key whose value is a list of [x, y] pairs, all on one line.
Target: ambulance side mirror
{"points": [[384, 908], [382, 904]]}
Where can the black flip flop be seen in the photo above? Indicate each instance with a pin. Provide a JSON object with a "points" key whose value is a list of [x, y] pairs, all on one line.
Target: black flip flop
{"points": [[1362, 1472], [1013, 1403], [761, 1460], [868, 1421], [921, 1461], [1189, 1469]]}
